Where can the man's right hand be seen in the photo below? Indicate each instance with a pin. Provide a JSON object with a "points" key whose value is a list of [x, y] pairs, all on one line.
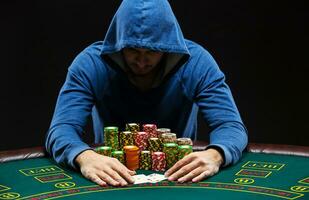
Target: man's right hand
{"points": [[103, 170]]}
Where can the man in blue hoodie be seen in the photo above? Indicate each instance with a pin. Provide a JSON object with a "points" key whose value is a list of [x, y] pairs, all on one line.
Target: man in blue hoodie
{"points": [[145, 71]]}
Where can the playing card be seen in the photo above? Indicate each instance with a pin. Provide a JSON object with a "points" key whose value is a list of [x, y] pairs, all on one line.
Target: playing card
{"points": [[154, 178], [140, 178]]}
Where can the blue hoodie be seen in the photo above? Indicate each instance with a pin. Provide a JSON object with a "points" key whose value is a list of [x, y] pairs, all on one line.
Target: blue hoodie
{"points": [[98, 86]]}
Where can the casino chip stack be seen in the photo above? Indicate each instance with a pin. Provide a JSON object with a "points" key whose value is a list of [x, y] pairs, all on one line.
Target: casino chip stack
{"points": [[141, 140], [171, 152], [168, 138], [104, 150], [133, 127], [151, 129], [126, 139], [158, 161], [111, 137], [160, 131], [184, 141], [154, 144], [184, 150], [119, 155], [145, 160], [132, 157]]}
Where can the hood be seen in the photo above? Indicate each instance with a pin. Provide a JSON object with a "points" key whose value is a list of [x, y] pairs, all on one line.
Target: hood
{"points": [[147, 24]]}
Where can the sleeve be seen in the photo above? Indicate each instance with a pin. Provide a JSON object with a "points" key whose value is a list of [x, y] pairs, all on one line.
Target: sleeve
{"points": [[218, 109], [73, 108]]}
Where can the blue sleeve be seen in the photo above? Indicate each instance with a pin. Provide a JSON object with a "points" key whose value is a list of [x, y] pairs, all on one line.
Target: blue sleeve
{"points": [[73, 108], [218, 109]]}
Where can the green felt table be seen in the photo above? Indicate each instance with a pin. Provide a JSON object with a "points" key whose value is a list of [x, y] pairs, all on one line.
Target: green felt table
{"points": [[256, 176]]}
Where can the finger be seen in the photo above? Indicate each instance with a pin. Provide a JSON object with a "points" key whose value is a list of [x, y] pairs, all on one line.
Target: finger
{"points": [[191, 175], [106, 178], [96, 179], [123, 171], [183, 171], [202, 176], [114, 175], [178, 165]]}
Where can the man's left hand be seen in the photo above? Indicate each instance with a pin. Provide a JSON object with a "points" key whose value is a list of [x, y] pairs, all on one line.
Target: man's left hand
{"points": [[195, 166]]}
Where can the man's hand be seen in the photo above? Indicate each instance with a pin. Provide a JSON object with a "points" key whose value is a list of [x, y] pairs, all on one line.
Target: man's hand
{"points": [[103, 170], [196, 166]]}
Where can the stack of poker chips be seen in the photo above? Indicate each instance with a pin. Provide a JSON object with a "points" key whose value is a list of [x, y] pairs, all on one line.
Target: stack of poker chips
{"points": [[160, 131], [145, 161], [151, 130], [141, 140], [184, 141], [158, 161], [132, 157], [126, 139], [111, 137], [171, 153], [104, 150], [152, 148], [184, 150], [119, 155], [154, 144]]}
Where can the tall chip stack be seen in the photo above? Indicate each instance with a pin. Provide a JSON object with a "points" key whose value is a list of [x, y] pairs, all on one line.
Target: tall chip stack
{"points": [[111, 137], [119, 155]]}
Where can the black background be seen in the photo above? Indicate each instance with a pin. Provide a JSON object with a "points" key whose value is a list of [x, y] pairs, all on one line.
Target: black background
{"points": [[261, 46]]}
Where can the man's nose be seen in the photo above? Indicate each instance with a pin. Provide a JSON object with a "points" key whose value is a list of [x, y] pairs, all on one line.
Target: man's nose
{"points": [[141, 61]]}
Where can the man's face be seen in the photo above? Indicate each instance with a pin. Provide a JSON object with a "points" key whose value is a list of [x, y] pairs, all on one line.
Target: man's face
{"points": [[142, 61]]}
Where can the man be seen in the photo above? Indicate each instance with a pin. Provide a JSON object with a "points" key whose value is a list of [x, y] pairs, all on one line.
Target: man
{"points": [[145, 71]]}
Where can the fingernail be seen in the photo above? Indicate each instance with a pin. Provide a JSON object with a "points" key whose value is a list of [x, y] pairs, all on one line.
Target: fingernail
{"points": [[171, 178], [181, 180]]}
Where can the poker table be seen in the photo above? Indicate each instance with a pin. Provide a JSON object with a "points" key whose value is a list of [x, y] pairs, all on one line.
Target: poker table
{"points": [[265, 171]]}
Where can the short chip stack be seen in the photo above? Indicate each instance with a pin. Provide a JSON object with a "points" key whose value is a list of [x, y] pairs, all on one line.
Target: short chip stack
{"points": [[184, 141], [132, 157], [168, 138], [158, 161], [111, 137], [104, 150], [119, 155], [145, 160]]}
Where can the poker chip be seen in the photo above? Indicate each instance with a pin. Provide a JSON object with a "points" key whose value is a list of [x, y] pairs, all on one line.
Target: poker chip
{"points": [[151, 129], [184, 150], [131, 157], [184, 141], [111, 137], [145, 160], [104, 150], [119, 155], [171, 152], [158, 161]]}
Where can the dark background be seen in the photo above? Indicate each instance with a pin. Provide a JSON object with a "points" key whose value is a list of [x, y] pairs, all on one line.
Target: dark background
{"points": [[262, 47]]}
